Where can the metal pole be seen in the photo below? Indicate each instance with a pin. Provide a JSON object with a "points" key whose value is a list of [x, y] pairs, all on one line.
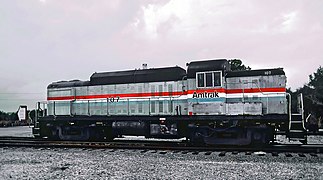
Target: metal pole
{"points": [[71, 113], [88, 107], [243, 101], [107, 106], [267, 104], [36, 113], [128, 107], [289, 110], [54, 109], [44, 110], [149, 106]]}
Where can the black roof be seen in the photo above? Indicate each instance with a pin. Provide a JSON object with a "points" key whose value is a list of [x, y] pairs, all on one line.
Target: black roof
{"points": [[206, 65], [73, 83], [138, 76], [259, 72], [125, 77]]}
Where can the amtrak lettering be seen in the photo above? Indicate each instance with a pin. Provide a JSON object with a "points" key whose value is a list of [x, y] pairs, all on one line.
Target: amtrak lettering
{"points": [[205, 95]]}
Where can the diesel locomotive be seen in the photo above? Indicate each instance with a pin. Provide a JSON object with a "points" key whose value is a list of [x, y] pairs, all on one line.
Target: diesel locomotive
{"points": [[207, 103]]}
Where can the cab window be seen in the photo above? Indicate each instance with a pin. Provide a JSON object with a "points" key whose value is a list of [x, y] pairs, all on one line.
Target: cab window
{"points": [[217, 78], [208, 79], [200, 80]]}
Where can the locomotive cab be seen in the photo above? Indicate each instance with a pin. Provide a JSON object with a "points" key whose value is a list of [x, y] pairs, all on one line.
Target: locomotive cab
{"points": [[206, 87]]}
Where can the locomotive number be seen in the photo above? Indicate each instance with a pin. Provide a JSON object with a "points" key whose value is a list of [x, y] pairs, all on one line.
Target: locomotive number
{"points": [[267, 72], [113, 99]]}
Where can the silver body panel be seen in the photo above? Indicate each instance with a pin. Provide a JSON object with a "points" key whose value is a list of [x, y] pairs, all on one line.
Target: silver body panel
{"points": [[155, 98], [254, 95]]}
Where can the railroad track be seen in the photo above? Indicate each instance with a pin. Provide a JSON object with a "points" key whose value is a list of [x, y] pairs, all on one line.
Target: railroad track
{"points": [[183, 146]]}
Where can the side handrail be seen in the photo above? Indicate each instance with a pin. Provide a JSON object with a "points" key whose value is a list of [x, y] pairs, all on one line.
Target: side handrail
{"points": [[306, 120], [40, 111], [301, 103], [289, 110]]}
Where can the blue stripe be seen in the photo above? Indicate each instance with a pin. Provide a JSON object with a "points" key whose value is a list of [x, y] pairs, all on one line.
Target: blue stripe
{"points": [[259, 99], [221, 99]]}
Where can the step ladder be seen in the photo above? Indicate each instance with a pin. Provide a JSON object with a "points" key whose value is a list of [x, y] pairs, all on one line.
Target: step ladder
{"points": [[297, 130]]}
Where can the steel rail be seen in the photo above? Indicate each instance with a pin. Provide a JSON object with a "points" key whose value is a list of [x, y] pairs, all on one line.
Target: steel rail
{"points": [[160, 145]]}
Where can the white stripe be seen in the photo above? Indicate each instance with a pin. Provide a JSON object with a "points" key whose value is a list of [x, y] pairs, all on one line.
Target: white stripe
{"points": [[237, 95]]}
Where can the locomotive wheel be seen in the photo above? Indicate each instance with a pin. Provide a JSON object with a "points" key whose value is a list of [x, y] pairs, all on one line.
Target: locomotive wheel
{"points": [[197, 136], [54, 135], [259, 138]]}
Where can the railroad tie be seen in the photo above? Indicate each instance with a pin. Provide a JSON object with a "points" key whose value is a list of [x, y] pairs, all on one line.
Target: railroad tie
{"points": [[222, 153]]}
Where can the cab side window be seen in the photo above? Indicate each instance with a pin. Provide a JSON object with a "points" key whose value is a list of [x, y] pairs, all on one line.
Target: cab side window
{"points": [[217, 78], [200, 80], [208, 79]]}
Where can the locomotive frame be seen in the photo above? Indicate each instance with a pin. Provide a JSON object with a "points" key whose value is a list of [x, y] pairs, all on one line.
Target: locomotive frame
{"points": [[207, 104]]}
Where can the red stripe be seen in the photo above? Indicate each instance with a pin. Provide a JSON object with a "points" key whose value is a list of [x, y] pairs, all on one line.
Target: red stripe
{"points": [[160, 94], [101, 96], [60, 98], [256, 90], [233, 91]]}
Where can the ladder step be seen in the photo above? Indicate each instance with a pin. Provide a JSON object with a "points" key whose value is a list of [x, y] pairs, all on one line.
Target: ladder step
{"points": [[295, 122], [296, 117], [296, 134], [296, 131], [297, 127]]}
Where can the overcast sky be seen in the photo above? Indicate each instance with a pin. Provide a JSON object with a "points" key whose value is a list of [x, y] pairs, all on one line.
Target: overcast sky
{"points": [[42, 41]]}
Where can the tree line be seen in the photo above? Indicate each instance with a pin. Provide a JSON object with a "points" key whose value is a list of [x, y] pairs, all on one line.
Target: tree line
{"points": [[4, 116]]}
